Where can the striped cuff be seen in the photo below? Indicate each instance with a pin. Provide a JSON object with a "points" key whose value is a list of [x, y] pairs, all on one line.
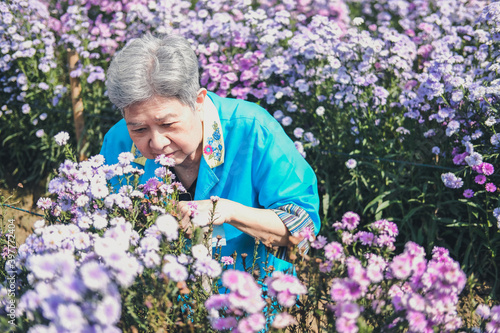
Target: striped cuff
{"points": [[295, 219]]}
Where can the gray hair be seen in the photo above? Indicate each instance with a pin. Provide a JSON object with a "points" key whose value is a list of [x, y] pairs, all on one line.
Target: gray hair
{"points": [[151, 66]]}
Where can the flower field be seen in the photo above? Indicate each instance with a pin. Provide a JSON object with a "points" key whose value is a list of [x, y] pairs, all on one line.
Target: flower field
{"points": [[393, 103]]}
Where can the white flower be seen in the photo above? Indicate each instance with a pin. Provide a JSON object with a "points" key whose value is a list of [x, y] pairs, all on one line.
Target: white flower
{"points": [[496, 213], [125, 158], [490, 121], [474, 159], [351, 163], [70, 316], [175, 271], [320, 111], [495, 139], [61, 138], [94, 276], [357, 21], [199, 251], [108, 311], [168, 226]]}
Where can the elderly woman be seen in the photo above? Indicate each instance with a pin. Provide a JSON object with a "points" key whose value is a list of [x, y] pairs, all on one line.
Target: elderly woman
{"points": [[223, 147]]}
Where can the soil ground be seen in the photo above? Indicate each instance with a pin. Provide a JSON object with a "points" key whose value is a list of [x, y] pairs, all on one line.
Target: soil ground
{"points": [[24, 200]]}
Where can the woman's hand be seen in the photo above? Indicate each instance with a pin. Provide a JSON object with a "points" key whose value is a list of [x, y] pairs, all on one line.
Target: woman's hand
{"points": [[200, 213]]}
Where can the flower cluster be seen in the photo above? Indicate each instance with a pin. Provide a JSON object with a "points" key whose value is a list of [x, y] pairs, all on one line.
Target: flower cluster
{"points": [[241, 306], [369, 283], [490, 317], [98, 247], [286, 288]]}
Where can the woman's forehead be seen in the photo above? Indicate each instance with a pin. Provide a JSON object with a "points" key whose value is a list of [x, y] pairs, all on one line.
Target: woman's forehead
{"points": [[158, 109]]}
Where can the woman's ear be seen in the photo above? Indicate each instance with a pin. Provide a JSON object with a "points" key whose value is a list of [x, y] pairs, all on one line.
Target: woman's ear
{"points": [[200, 99]]}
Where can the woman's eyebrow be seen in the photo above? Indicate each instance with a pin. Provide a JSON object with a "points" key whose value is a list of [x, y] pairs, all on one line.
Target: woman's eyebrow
{"points": [[129, 123]]}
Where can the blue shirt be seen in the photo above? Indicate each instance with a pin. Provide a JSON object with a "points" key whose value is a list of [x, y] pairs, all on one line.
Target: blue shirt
{"points": [[248, 158]]}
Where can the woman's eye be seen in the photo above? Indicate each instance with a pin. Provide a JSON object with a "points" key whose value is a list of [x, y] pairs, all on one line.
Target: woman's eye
{"points": [[167, 124], [138, 130]]}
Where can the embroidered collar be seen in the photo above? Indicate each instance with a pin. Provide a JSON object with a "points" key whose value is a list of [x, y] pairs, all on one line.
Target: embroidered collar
{"points": [[213, 139]]}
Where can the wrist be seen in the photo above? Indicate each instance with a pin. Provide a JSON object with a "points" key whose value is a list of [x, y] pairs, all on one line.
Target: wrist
{"points": [[227, 210]]}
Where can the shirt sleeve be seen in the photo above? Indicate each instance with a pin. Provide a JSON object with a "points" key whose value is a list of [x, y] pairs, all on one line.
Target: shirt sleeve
{"points": [[295, 219]]}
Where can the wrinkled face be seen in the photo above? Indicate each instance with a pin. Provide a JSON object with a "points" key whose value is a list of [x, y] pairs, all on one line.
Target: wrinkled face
{"points": [[166, 126]]}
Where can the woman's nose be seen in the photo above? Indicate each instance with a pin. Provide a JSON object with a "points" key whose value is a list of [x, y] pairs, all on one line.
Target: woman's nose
{"points": [[158, 141]]}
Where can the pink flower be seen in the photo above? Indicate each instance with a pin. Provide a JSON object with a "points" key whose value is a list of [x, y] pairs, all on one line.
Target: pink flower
{"points": [[347, 238], [490, 187], [217, 302], [350, 311], [283, 320], [307, 233], [319, 243], [285, 287], [253, 323], [346, 325], [417, 321], [334, 251], [401, 266], [207, 150], [226, 323], [286, 298], [350, 220], [487, 168], [227, 260]]}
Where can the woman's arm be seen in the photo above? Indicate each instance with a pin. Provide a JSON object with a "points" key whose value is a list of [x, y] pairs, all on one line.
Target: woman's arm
{"points": [[262, 224]]}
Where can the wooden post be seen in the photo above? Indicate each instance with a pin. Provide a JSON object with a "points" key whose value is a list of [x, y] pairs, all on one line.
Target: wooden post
{"points": [[76, 100]]}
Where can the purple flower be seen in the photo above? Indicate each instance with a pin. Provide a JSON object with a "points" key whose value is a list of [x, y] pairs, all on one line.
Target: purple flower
{"points": [[221, 324], [468, 193], [350, 311], [474, 159], [480, 179], [483, 311], [307, 233], [286, 288], [451, 181], [366, 238], [319, 243], [345, 290]]}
